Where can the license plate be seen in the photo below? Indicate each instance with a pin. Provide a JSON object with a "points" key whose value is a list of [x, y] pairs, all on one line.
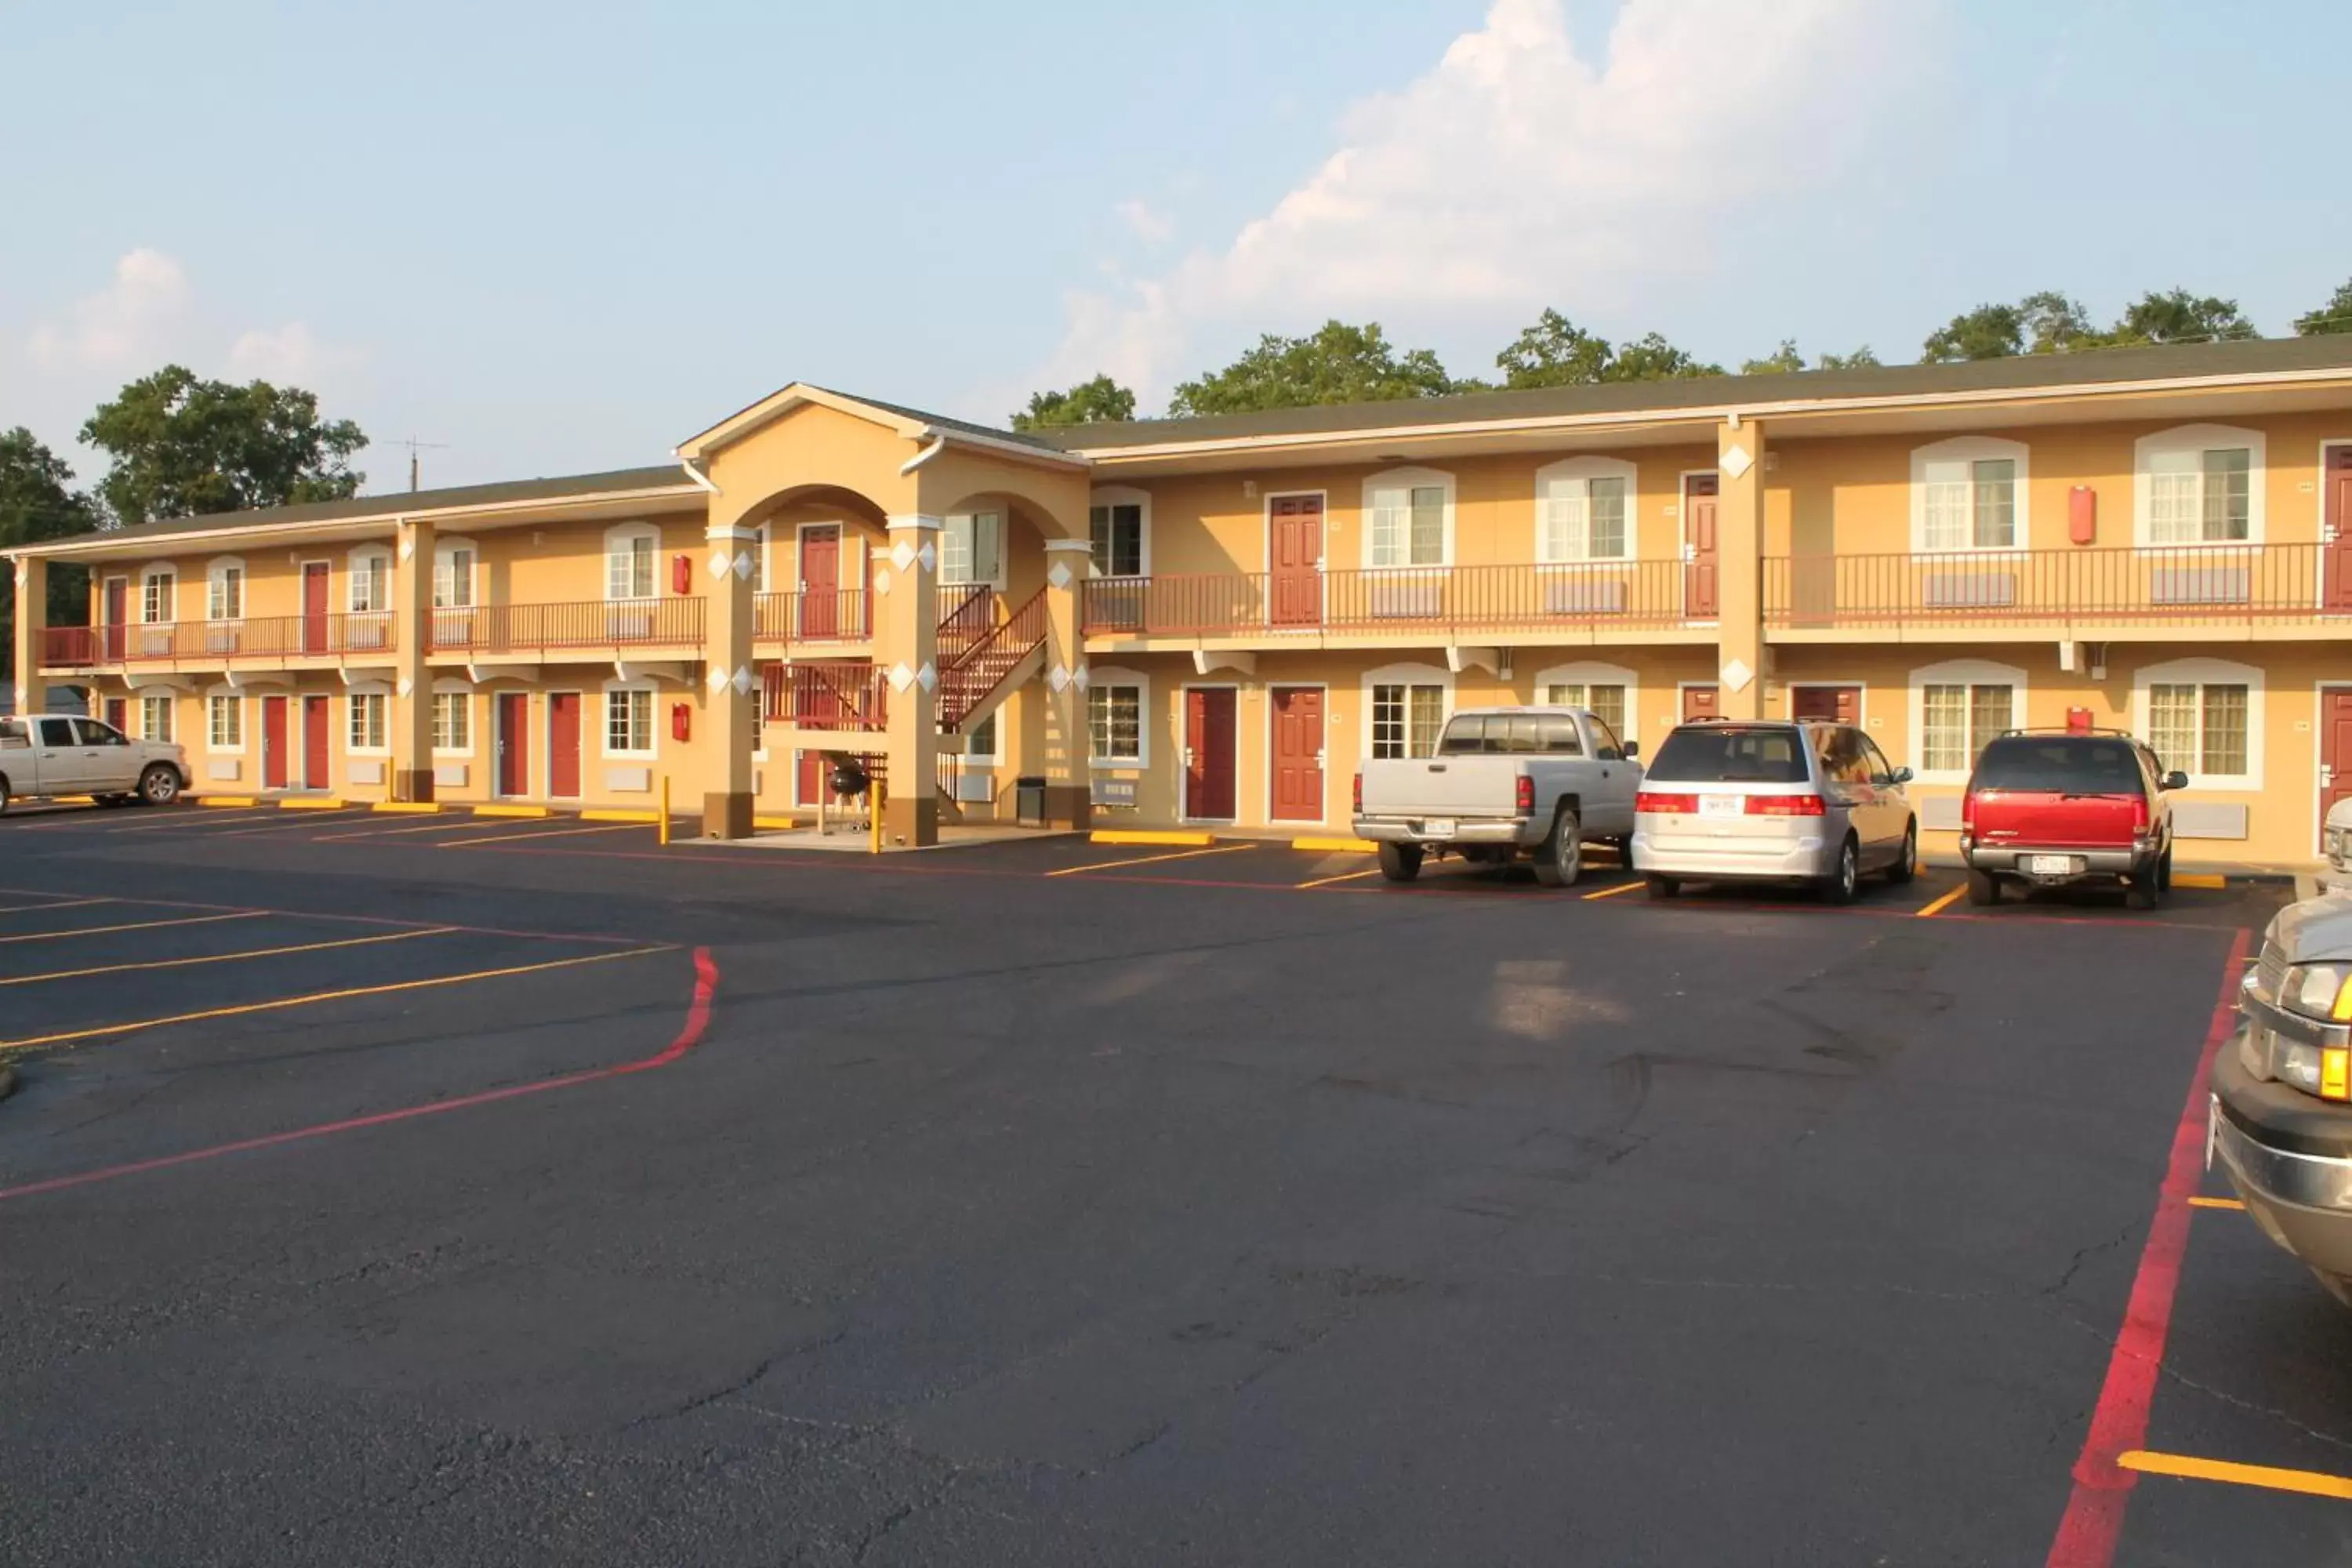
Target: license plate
{"points": [[2049, 865], [1437, 827], [1721, 805]]}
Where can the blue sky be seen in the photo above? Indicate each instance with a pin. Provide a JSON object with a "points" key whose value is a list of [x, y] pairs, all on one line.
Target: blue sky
{"points": [[563, 237]]}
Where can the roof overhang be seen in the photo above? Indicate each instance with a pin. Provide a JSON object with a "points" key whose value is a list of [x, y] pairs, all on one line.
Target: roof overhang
{"points": [[747, 422]]}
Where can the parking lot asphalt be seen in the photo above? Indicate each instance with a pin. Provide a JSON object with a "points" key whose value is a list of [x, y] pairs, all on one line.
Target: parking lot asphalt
{"points": [[446, 1189]]}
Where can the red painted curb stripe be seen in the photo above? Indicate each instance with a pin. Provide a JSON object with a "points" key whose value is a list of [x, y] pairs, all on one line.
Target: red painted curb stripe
{"points": [[2094, 1521], [697, 1020]]}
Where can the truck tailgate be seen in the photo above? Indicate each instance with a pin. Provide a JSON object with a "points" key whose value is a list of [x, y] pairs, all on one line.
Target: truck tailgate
{"points": [[1442, 786]]}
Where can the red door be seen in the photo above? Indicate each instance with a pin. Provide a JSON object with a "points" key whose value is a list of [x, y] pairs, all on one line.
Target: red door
{"points": [[316, 716], [1297, 589], [2335, 747], [563, 746], [1299, 754], [314, 606], [118, 613], [1702, 703], [2336, 509], [1834, 704], [514, 742], [1209, 752], [1698, 547], [820, 581], [118, 713], [273, 742]]}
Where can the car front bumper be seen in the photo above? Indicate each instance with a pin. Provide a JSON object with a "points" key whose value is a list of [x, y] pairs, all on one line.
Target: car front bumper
{"points": [[1466, 830], [2288, 1155], [1706, 859]]}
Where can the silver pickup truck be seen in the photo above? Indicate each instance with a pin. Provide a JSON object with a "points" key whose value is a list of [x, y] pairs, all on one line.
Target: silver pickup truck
{"points": [[61, 754], [1505, 782]]}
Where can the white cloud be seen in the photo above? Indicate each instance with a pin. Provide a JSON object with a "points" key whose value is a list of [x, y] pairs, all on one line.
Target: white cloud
{"points": [[1147, 222], [288, 354], [1518, 173], [127, 323]]}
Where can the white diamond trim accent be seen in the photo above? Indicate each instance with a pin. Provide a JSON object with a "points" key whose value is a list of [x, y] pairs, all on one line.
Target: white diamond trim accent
{"points": [[743, 565], [902, 676], [742, 681], [718, 676], [1737, 461], [902, 555], [881, 579], [926, 676], [718, 564], [1737, 675], [1059, 577], [1057, 677], [1079, 680], [927, 556]]}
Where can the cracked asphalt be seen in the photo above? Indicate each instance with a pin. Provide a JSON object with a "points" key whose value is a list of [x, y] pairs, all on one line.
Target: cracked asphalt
{"points": [[1003, 1219]]}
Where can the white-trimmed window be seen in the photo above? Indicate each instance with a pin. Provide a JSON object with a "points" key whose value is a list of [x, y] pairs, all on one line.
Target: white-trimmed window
{"points": [[225, 590], [1409, 518], [2203, 716], [629, 722], [1957, 708], [1405, 707], [158, 593], [1119, 521], [972, 549], [156, 715], [982, 747], [368, 590], [452, 721], [2199, 484], [225, 721], [630, 558], [1613, 692], [453, 561], [1970, 493], [1585, 508], [1116, 703], [370, 729], [760, 557]]}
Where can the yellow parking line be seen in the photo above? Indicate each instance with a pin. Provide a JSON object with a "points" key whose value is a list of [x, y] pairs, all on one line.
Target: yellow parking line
{"points": [[2310, 1483], [1946, 902], [344, 814], [1148, 859], [135, 925], [2215, 1204], [67, 904], [224, 957], [1131, 836], [1348, 877], [31, 1042], [466, 826], [176, 820], [551, 833], [1613, 892]]}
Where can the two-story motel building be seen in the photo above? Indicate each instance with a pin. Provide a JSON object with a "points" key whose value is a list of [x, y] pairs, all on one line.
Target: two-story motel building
{"points": [[1211, 621]]}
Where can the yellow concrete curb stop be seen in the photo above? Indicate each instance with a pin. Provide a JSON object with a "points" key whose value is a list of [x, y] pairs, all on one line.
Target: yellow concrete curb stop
{"points": [[1135, 836], [235, 801], [1337, 846], [512, 811], [311, 803], [407, 807]]}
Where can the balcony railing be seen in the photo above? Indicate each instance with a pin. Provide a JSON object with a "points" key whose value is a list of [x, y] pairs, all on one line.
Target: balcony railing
{"points": [[2164, 585], [840, 616], [674, 622], [204, 644], [826, 694], [1600, 593]]}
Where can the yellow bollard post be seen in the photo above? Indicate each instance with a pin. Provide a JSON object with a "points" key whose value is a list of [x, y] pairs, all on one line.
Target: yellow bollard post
{"points": [[665, 811], [874, 815]]}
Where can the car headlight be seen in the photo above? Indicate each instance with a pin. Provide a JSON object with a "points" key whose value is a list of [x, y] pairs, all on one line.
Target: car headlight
{"points": [[2319, 991]]}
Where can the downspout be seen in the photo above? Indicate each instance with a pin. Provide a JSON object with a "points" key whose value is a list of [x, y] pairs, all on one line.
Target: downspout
{"points": [[938, 444], [694, 472]]}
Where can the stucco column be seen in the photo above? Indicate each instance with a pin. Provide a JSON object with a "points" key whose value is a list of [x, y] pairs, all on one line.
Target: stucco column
{"points": [[412, 641], [32, 615], [730, 679], [1739, 544], [906, 648], [1070, 776]]}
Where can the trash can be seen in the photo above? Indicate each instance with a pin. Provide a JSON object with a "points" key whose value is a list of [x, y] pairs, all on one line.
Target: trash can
{"points": [[1029, 800]]}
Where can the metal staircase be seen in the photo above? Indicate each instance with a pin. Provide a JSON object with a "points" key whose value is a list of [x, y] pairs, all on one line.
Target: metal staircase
{"points": [[985, 666]]}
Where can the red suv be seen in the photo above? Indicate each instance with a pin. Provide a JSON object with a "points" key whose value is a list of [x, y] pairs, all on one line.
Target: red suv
{"points": [[2052, 809]]}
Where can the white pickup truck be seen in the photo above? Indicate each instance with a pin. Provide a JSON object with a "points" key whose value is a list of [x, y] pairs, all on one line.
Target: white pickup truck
{"points": [[1506, 782], [61, 754]]}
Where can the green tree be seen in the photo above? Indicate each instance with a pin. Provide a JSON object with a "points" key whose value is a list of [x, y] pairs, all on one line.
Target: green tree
{"points": [[1340, 364], [2180, 317], [1555, 351], [1860, 359], [1088, 403], [37, 503], [1782, 360], [1989, 331], [1651, 358], [2055, 323], [2336, 316], [181, 447]]}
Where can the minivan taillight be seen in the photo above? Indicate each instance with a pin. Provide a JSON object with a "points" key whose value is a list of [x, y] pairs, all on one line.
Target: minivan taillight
{"points": [[1652, 800], [1786, 805], [1526, 796]]}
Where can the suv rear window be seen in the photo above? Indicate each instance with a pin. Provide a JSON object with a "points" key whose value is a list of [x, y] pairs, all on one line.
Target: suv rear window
{"points": [[1729, 753], [2060, 765]]}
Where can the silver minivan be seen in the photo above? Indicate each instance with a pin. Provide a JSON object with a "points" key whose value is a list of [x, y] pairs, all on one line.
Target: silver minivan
{"points": [[1773, 800]]}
